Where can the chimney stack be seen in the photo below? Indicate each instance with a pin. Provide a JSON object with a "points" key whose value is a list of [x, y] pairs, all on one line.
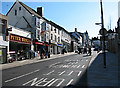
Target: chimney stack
{"points": [[40, 11], [75, 29]]}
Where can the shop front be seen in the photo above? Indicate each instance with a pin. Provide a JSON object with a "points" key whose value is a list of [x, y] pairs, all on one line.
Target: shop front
{"points": [[40, 46], [65, 46], [53, 47], [59, 48], [19, 47], [3, 51], [68, 47]]}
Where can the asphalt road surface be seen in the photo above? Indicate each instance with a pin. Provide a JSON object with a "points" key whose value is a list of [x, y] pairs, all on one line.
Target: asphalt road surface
{"points": [[60, 72]]}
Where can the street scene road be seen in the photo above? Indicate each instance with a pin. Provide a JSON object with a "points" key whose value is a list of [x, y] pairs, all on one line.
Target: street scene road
{"points": [[59, 45], [57, 72]]}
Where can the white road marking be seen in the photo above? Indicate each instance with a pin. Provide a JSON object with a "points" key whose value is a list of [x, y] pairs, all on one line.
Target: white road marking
{"points": [[22, 76], [79, 73], [76, 62], [49, 73], [74, 66], [83, 66], [38, 82], [70, 73], [78, 66], [52, 82], [86, 60], [53, 64], [34, 81], [60, 82], [44, 81], [49, 82], [70, 82], [62, 73], [65, 66]]}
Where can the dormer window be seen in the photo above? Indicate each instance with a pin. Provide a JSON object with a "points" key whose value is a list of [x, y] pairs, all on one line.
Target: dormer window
{"points": [[19, 8], [15, 12]]}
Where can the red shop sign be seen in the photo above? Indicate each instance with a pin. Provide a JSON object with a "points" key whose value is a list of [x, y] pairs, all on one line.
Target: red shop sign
{"points": [[20, 39], [39, 43]]}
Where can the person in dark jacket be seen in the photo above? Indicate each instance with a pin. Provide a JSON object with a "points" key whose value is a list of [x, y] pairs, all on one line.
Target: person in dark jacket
{"points": [[85, 50], [40, 52], [79, 49], [89, 51]]}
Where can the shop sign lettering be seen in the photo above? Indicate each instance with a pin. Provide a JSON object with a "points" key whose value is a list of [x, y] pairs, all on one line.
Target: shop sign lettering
{"points": [[19, 39]]}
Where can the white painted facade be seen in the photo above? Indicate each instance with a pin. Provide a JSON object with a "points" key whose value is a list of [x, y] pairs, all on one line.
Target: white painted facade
{"points": [[66, 37], [18, 20], [26, 19], [55, 34], [20, 32], [55, 38]]}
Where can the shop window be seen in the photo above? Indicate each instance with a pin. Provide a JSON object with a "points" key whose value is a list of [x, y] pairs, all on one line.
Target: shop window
{"points": [[15, 12]]}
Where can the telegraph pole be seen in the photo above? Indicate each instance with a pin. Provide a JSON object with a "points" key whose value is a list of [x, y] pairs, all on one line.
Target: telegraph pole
{"points": [[102, 26]]}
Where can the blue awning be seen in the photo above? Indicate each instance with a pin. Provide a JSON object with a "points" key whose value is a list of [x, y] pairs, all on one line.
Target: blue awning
{"points": [[60, 45]]}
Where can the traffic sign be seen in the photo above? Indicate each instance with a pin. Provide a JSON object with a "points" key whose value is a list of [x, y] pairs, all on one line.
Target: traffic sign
{"points": [[101, 31]]}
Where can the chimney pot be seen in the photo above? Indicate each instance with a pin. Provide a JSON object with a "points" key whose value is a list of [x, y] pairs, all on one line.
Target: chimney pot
{"points": [[40, 11], [75, 29]]}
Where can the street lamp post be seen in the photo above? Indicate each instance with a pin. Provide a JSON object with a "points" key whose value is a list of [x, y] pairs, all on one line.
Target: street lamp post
{"points": [[102, 26], [102, 32]]}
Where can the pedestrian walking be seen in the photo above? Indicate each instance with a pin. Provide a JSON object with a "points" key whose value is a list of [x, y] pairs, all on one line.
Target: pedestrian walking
{"points": [[79, 49], [40, 53], [90, 51], [85, 50]]}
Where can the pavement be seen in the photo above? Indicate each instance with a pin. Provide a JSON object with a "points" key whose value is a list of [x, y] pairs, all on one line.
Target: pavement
{"points": [[98, 76], [30, 61]]}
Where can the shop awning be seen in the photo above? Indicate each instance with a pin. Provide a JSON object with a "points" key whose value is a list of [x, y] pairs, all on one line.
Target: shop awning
{"points": [[47, 45], [39, 43], [60, 45], [3, 43]]}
